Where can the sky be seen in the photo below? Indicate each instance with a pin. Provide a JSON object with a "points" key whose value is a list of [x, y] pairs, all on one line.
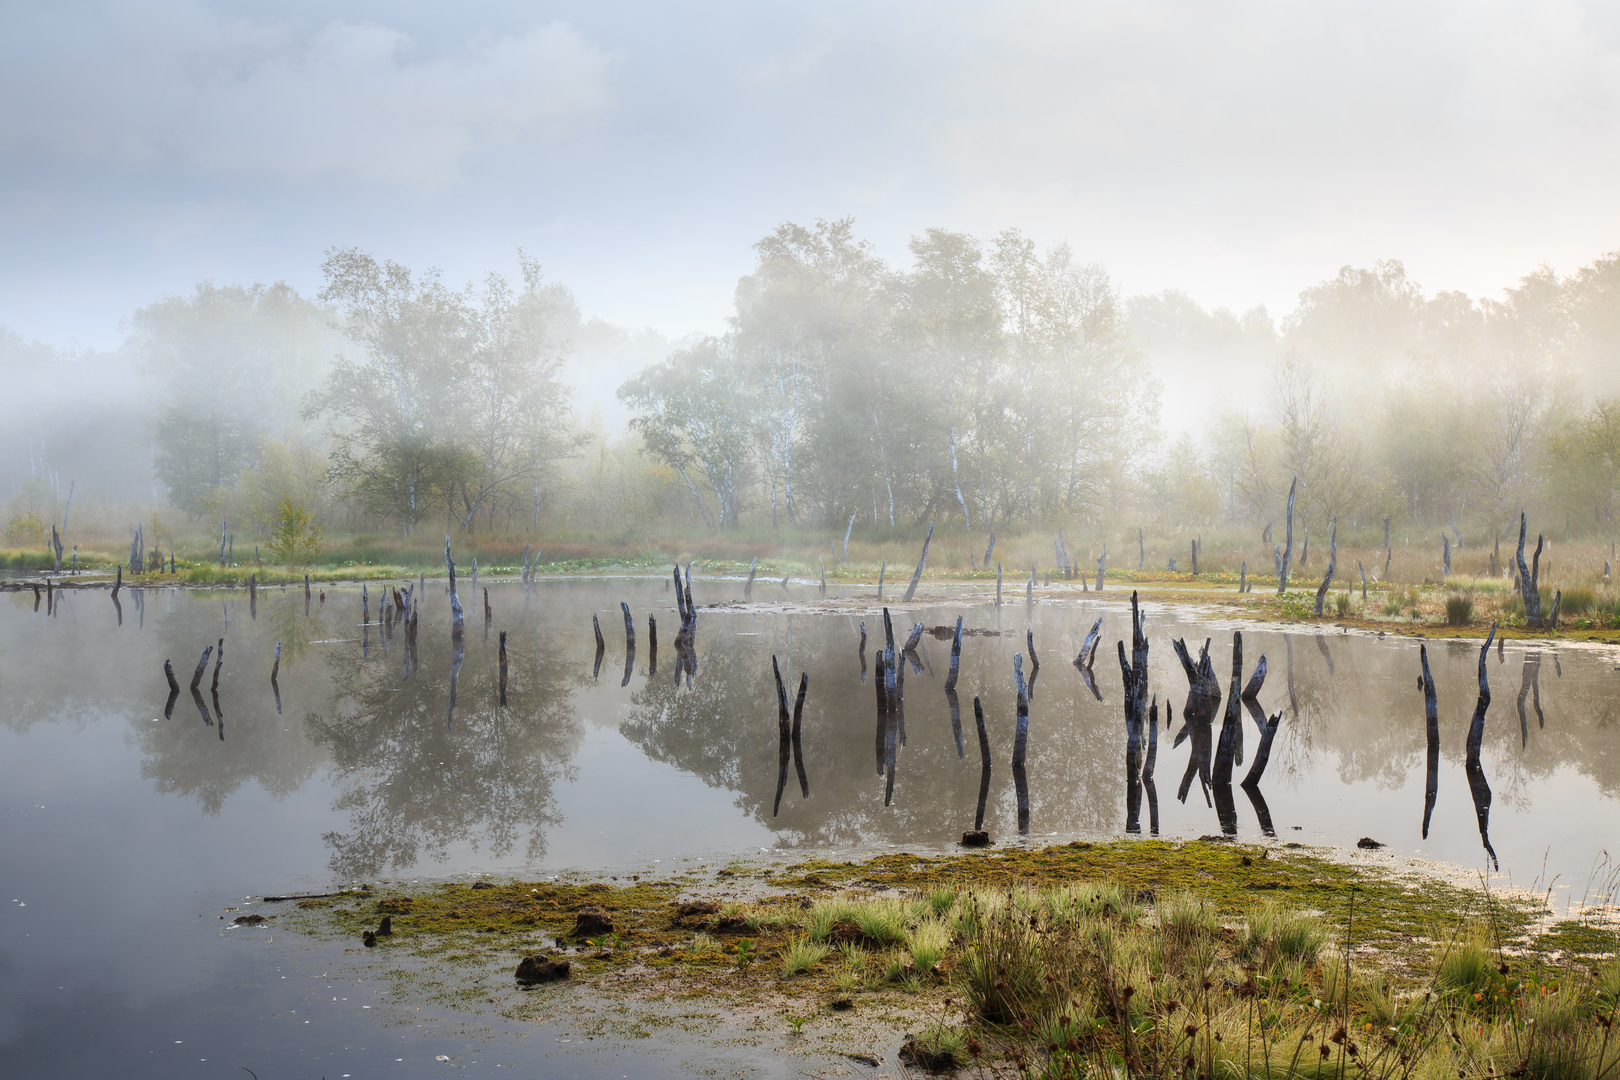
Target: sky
{"points": [[1238, 151]]}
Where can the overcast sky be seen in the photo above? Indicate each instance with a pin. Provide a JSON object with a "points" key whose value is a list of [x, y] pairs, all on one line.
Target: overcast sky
{"points": [[1238, 151]]}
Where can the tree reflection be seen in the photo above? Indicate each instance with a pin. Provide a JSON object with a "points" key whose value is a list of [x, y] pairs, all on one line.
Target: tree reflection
{"points": [[415, 785]]}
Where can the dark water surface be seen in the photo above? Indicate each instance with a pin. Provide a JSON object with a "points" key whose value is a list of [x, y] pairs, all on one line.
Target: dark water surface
{"points": [[127, 833]]}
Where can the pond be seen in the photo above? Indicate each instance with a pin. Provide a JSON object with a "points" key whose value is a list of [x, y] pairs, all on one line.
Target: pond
{"points": [[133, 822]]}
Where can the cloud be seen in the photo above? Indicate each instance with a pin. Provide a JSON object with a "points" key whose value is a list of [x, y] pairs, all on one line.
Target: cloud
{"points": [[185, 87]]}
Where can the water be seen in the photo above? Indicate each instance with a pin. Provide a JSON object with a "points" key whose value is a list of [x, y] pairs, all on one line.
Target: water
{"points": [[127, 834]]}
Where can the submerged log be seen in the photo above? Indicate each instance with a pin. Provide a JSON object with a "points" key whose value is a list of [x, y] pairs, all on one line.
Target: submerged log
{"points": [[1288, 549], [922, 560]]}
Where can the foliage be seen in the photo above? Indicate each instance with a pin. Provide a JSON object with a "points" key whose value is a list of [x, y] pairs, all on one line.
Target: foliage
{"points": [[1459, 609], [26, 528]]}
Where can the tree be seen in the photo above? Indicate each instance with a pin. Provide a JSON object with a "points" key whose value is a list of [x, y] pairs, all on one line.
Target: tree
{"points": [[233, 361], [694, 413], [454, 403]]}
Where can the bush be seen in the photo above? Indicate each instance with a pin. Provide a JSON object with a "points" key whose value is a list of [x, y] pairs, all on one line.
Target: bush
{"points": [[1459, 610], [296, 540]]}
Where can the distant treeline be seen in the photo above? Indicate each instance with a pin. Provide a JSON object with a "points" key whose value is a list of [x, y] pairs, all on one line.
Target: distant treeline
{"points": [[986, 384]]}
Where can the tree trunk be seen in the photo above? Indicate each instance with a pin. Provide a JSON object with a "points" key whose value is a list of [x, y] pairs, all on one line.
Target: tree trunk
{"points": [[458, 619]]}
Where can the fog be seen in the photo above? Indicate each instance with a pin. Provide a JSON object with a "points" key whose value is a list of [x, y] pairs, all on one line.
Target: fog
{"points": [[1035, 263]]}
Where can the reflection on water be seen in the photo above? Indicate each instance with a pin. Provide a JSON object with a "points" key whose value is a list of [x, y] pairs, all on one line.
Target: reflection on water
{"points": [[434, 743]]}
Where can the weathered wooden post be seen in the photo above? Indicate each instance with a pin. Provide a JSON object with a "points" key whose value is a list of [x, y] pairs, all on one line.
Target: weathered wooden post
{"points": [[118, 584], [629, 626], [56, 543], [978, 837], [1431, 714], [1243, 577], [475, 578], [489, 612], [823, 563], [1363, 572], [922, 560], [1333, 562], [503, 667], [1288, 547], [1195, 556], [365, 605]]}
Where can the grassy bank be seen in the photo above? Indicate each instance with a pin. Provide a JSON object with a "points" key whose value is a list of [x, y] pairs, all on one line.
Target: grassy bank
{"points": [[1110, 959]]}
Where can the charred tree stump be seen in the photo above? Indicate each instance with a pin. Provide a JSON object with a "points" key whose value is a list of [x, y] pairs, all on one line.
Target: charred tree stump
{"points": [[798, 748], [862, 652], [998, 584], [202, 666], [1445, 556], [1288, 548], [1230, 748], [56, 543], [1243, 577], [922, 560], [882, 568], [1141, 549], [988, 548], [847, 530], [1431, 716], [978, 837], [1102, 567], [275, 668], [168, 673], [1363, 572], [823, 563], [1477, 785], [1529, 589], [1558, 602], [629, 626], [1034, 661], [748, 587], [1195, 557], [1087, 653], [219, 662], [596, 626], [489, 612], [458, 619], [1333, 563]]}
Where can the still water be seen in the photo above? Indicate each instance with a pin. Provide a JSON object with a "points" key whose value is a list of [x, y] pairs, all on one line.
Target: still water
{"points": [[131, 823]]}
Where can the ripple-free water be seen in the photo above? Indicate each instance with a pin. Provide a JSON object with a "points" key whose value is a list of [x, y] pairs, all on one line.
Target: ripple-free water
{"points": [[126, 834]]}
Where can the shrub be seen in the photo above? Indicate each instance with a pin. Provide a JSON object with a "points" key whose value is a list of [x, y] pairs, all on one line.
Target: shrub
{"points": [[1459, 610]]}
